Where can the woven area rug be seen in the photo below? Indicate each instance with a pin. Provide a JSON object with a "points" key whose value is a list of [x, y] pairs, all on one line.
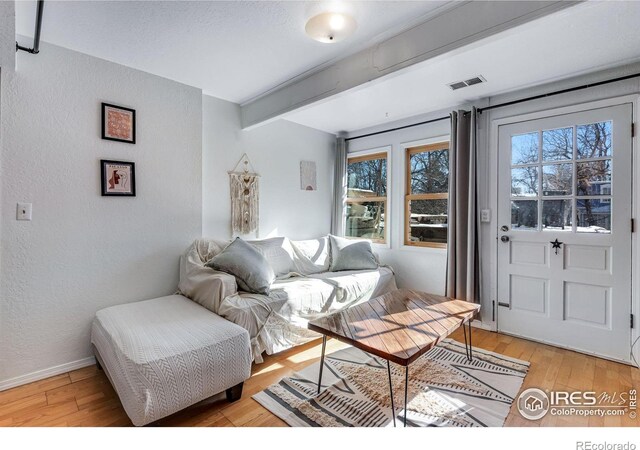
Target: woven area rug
{"points": [[444, 390]]}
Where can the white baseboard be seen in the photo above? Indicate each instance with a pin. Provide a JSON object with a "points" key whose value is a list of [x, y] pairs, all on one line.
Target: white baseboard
{"points": [[46, 373], [483, 326]]}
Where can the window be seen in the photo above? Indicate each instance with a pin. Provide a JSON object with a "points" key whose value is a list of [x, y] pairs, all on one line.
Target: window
{"points": [[367, 197], [427, 195], [561, 179]]}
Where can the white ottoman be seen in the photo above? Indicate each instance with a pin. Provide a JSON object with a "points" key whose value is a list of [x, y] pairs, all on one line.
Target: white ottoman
{"points": [[165, 354]]}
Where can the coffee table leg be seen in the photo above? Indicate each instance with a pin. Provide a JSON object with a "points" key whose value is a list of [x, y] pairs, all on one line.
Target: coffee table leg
{"points": [[470, 346], [467, 341], [406, 390], [393, 408], [324, 344]]}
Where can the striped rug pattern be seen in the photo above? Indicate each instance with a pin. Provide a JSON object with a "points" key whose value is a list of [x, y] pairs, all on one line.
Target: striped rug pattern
{"points": [[444, 390]]}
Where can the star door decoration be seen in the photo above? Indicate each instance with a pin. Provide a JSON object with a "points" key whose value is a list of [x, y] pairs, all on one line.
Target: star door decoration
{"points": [[556, 245]]}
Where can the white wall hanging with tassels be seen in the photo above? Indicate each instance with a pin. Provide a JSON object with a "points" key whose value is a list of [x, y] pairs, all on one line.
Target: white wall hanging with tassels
{"points": [[244, 197]]}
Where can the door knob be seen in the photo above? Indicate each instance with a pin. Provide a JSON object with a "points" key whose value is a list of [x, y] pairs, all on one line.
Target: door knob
{"points": [[504, 238]]}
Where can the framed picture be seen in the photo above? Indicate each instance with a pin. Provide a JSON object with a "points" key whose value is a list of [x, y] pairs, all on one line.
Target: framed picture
{"points": [[118, 178], [308, 176], [118, 123]]}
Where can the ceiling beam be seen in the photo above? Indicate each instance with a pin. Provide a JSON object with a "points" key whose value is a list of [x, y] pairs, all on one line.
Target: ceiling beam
{"points": [[456, 26]]}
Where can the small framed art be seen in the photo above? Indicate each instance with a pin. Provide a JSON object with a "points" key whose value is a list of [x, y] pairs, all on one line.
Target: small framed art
{"points": [[118, 123], [118, 178], [308, 176]]}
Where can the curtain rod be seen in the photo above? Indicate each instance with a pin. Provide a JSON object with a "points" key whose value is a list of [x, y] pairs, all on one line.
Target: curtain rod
{"points": [[500, 105], [398, 128], [562, 91]]}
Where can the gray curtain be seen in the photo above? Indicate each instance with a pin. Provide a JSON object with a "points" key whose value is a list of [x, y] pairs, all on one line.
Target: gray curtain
{"points": [[339, 188], [463, 267]]}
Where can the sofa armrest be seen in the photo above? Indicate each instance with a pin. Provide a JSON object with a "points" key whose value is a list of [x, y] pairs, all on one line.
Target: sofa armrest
{"points": [[202, 284]]}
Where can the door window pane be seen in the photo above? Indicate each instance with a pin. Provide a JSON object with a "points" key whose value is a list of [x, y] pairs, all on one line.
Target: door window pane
{"points": [[430, 172], [593, 215], [524, 148], [428, 220], [556, 215], [557, 179], [594, 140], [594, 177], [557, 144], [524, 214], [365, 220], [524, 181]]}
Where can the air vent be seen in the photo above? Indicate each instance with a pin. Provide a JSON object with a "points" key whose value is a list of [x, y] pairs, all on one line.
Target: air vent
{"points": [[470, 82], [458, 85]]}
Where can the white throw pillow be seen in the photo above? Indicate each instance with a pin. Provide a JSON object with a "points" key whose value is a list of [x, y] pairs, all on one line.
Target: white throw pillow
{"points": [[312, 255], [278, 252]]}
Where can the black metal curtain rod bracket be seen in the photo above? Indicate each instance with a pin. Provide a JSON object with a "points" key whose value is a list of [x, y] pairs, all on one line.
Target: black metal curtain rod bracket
{"points": [[36, 35]]}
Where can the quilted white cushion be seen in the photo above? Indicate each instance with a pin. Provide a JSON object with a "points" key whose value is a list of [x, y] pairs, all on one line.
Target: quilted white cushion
{"points": [[165, 354]]}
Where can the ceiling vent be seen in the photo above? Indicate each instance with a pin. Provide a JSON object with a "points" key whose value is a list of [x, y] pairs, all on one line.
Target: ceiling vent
{"points": [[470, 82]]}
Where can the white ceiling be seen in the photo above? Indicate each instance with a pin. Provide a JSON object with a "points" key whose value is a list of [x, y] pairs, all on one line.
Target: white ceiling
{"points": [[576, 40], [234, 50]]}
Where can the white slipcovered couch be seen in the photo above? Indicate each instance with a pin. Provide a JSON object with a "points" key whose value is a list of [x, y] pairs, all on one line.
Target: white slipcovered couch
{"points": [[303, 291], [165, 354]]}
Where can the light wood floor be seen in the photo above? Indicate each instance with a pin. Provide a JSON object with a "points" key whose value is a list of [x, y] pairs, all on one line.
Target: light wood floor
{"points": [[85, 398]]}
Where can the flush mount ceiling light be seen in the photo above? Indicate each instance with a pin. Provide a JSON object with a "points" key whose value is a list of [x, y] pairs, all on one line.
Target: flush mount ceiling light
{"points": [[330, 27]]}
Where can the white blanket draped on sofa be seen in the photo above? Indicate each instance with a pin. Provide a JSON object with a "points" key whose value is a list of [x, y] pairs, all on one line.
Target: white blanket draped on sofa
{"points": [[279, 321]]}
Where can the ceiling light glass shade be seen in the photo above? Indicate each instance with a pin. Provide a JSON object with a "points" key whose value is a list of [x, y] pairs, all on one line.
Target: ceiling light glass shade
{"points": [[330, 27]]}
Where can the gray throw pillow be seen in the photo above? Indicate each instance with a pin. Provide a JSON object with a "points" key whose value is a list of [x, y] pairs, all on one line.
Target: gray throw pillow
{"points": [[252, 271], [349, 254]]}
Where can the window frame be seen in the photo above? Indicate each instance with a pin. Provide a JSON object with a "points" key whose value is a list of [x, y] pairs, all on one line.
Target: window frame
{"points": [[368, 155], [410, 151]]}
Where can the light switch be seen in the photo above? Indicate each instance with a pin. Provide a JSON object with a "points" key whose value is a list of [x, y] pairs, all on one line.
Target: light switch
{"points": [[485, 215], [23, 211]]}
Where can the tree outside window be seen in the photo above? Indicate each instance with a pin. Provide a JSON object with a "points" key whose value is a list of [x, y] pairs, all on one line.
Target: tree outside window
{"points": [[367, 197], [427, 195]]}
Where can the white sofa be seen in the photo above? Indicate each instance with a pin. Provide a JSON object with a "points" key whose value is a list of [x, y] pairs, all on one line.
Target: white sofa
{"points": [[304, 291], [165, 354]]}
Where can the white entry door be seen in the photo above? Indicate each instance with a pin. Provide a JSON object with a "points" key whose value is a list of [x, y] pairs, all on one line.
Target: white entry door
{"points": [[564, 230]]}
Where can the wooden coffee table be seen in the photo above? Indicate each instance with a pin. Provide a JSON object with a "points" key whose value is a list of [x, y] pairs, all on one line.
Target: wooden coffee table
{"points": [[399, 326]]}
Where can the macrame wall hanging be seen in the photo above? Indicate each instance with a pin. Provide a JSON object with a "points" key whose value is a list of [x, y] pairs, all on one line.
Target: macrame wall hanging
{"points": [[244, 197]]}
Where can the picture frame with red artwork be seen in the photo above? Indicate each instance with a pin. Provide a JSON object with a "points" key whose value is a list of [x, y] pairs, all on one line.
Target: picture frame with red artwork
{"points": [[118, 123], [118, 178]]}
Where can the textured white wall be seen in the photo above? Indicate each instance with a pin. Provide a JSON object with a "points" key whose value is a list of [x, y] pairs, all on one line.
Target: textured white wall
{"points": [[7, 36], [275, 150], [83, 252]]}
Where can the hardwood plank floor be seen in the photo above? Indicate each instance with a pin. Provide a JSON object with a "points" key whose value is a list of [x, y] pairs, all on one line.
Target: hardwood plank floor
{"points": [[85, 397]]}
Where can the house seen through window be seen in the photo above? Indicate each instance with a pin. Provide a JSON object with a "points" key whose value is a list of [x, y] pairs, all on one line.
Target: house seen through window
{"points": [[427, 195], [367, 197]]}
